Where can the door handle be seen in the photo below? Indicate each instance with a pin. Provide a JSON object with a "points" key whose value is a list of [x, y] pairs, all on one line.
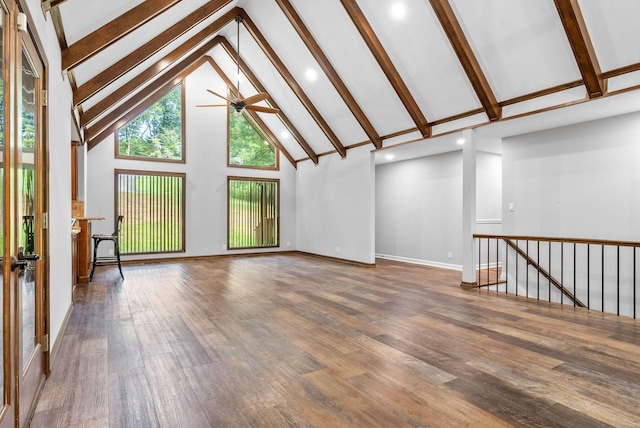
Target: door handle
{"points": [[17, 264], [28, 257]]}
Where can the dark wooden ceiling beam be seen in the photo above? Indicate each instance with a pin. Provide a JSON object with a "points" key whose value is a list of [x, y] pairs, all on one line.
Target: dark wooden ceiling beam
{"points": [[161, 65], [253, 79], [583, 51], [467, 58], [145, 97], [254, 116], [113, 31], [295, 87], [385, 62], [329, 71], [121, 67]]}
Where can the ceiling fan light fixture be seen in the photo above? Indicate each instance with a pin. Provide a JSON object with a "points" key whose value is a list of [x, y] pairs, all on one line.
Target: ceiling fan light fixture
{"points": [[240, 104]]}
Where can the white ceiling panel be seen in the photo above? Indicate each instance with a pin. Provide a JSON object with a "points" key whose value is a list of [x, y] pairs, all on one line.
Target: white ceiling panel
{"points": [[297, 58], [614, 31], [341, 41], [80, 20], [423, 56], [520, 44]]}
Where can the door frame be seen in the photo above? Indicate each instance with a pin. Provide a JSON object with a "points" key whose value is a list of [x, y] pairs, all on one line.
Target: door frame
{"points": [[21, 392]]}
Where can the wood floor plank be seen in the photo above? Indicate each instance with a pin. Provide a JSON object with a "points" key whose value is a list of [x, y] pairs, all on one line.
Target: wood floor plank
{"points": [[174, 399], [296, 340], [131, 403]]}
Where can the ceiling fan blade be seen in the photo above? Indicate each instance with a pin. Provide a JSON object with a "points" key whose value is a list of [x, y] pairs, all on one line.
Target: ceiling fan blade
{"points": [[262, 109], [211, 105], [218, 95], [261, 96]]}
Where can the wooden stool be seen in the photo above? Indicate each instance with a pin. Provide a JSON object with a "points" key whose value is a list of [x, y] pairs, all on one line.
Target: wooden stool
{"points": [[107, 260]]}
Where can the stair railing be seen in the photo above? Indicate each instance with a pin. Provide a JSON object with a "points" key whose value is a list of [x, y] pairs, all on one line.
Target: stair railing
{"points": [[596, 274]]}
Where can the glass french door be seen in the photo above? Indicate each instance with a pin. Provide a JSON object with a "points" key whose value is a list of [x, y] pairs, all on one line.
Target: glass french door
{"points": [[28, 229], [22, 234]]}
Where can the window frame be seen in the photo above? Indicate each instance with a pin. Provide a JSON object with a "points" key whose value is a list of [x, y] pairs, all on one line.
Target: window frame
{"points": [[248, 116], [231, 178], [146, 105], [183, 202]]}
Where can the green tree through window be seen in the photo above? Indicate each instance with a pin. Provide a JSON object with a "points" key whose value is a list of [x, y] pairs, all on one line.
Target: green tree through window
{"points": [[247, 145], [156, 133]]}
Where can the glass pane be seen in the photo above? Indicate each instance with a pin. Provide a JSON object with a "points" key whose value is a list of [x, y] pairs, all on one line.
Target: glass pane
{"points": [[153, 209], [26, 206], [247, 145], [253, 213], [156, 133], [2, 19]]}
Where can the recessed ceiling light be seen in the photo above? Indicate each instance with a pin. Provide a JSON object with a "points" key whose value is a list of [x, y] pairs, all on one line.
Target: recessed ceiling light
{"points": [[285, 134], [388, 157], [311, 74], [460, 141], [398, 10]]}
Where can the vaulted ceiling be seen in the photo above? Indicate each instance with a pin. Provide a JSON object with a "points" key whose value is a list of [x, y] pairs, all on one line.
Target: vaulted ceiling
{"points": [[347, 73]]}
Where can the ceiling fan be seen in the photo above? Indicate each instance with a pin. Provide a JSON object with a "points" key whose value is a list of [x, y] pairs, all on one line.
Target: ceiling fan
{"points": [[241, 104]]}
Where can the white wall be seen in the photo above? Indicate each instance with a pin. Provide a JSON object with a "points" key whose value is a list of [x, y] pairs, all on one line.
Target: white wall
{"points": [[206, 170], [59, 139], [335, 206], [577, 181], [419, 206]]}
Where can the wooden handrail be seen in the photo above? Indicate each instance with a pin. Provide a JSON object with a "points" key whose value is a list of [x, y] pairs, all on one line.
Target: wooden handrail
{"points": [[563, 240]]}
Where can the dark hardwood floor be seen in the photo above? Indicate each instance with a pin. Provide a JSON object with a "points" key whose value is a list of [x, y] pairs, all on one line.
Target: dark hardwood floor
{"points": [[294, 340]]}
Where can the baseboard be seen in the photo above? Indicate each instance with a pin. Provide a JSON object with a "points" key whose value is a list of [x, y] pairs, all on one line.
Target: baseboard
{"points": [[53, 352], [204, 257], [419, 261], [336, 259]]}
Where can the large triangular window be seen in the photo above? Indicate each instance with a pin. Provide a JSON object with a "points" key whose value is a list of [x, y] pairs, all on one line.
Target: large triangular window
{"points": [[249, 146], [157, 132]]}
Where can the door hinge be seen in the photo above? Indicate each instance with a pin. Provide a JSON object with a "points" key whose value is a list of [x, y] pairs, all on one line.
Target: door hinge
{"points": [[46, 6], [22, 22], [45, 343], [45, 220], [45, 97]]}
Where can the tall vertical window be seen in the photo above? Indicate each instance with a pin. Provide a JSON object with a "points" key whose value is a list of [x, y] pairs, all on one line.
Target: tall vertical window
{"points": [[249, 147], [253, 213], [156, 133], [153, 207]]}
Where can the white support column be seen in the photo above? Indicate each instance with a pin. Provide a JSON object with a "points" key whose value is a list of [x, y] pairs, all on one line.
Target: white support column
{"points": [[468, 208]]}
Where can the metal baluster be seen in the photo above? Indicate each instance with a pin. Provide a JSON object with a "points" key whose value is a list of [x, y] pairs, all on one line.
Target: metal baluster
{"points": [[517, 263], [602, 277], [479, 260], [588, 276], [618, 281], [497, 264], [549, 281], [538, 261], [561, 273], [526, 283], [506, 262], [488, 260], [574, 275]]}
